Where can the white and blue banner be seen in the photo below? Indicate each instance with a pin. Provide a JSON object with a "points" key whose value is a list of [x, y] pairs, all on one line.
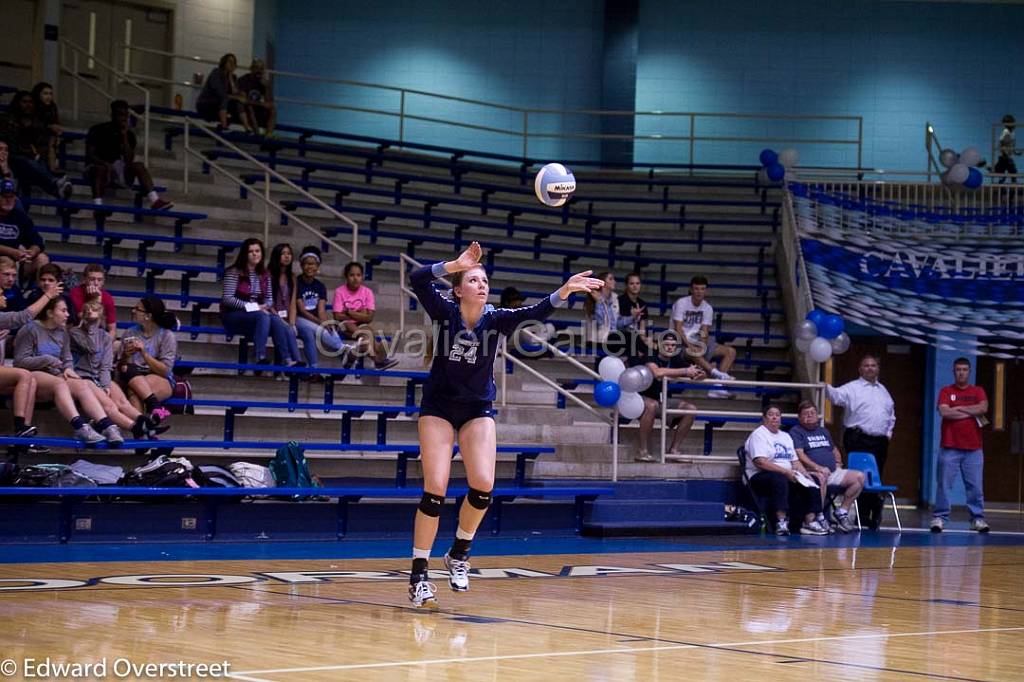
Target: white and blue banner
{"points": [[930, 282]]}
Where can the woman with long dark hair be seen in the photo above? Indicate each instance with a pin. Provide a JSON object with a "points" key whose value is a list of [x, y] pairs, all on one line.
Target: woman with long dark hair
{"points": [[456, 403], [246, 304], [220, 100], [29, 141], [149, 350], [282, 288]]}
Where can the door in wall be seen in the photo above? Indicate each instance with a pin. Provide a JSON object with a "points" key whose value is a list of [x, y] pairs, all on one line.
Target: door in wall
{"points": [[902, 372], [103, 31], [17, 48], [1004, 463]]}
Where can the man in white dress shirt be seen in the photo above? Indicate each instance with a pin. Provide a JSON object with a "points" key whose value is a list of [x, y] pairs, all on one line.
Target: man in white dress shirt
{"points": [[868, 420]]}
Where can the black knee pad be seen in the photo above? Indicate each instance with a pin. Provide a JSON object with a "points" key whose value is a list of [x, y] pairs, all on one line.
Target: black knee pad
{"points": [[478, 499], [430, 504]]}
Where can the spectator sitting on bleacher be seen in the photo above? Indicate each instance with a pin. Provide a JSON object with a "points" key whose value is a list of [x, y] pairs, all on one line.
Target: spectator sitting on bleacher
{"points": [[91, 289], [11, 299], [246, 304], [49, 116], [605, 323], [259, 108], [93, 350], [29, 140], [816, 451], [692, 317], [282, 286], [47, 276], [20, 383], [110, 159], [149, 350], [311, 311], [220, 100], [354, 307], [668, 362], [43, 347], [775, 472], [5, 160], [19, 239]]}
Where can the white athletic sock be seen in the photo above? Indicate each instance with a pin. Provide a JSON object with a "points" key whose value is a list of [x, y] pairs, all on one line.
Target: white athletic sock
{"points": [[152, 196], [98, 201], [420, 553], [718, 374], [464, 534]]}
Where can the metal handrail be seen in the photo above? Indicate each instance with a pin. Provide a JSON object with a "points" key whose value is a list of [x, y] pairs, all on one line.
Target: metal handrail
{"points": [[529, 128], [268, 172], [666, 411], [76, 77]]}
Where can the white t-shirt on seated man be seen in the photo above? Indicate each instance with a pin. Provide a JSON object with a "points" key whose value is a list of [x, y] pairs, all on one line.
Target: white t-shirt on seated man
{"points": [[692, 317]]}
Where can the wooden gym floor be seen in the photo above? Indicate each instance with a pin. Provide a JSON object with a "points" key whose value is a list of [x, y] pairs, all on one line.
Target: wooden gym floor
{"points": [[885, 607]]}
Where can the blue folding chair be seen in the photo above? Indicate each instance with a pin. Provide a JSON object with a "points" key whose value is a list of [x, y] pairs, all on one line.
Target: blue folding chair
{"points": [[865, 461]]}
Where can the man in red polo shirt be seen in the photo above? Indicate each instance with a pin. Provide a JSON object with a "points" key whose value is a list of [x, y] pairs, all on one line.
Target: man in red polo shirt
{"points": [[963, 407], [92, 287]]}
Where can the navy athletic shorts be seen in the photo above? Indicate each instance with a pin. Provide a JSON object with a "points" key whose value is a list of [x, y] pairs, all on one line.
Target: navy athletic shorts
{"points": [[456, 414]]}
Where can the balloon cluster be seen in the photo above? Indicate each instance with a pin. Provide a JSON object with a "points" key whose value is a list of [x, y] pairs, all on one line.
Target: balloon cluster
{"points": [[961, 168], [620, 387], [821, 335], [778, 167]]}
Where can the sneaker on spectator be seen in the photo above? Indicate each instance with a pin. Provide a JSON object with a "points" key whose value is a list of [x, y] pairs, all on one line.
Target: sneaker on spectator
{"points": [[113, 436], [26, 432], [644, 456], [64, 187], [719, 374], [843, 522], [386, 363], [158, 415], [34, 449], [162, 205], [719, 393], [782, 526], [88, 435], [823, 522], [937, 525], [979, 524], [813, 528]]}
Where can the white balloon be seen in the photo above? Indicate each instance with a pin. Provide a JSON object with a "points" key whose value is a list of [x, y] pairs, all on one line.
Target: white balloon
{"points": [[821, 349], [789, 157], [958, 173], [970, 157], [840, 344], [631, 405], [610, 368], [802, 345]]}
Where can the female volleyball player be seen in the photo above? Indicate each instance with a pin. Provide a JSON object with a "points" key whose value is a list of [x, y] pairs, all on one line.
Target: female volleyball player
{"points": [[457, 404]]}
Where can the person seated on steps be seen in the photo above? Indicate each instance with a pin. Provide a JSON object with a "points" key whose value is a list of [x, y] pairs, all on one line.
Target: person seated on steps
{"points": [[282, 289], [692, 317], [354, 307], [28, 141], [110, 159], [91, 289], [145, 366], [668, 362], [317, 330]]}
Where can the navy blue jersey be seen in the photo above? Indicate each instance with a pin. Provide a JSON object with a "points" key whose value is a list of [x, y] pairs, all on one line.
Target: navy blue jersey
{"points": [[463, 366]]}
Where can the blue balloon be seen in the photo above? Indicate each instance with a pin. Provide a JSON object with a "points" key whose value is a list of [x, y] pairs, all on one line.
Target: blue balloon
{"points": [[974, 178], [831, 327], [817, 317], [607, 393], [775, 172], [768, 157]]}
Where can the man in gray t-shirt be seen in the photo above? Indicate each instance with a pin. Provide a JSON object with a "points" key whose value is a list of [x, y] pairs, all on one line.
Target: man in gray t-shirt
{"points": [[815, 450]]}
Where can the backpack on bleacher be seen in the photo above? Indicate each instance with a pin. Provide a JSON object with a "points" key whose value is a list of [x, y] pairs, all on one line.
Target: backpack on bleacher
{"points": [[290, 468], [52, 476], [182, 391], [161, 472]]}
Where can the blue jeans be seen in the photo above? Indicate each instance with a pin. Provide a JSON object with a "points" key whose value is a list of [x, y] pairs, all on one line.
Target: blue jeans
{"points": [[31, 172], [308, 332], [259, 326], [969, 464]]}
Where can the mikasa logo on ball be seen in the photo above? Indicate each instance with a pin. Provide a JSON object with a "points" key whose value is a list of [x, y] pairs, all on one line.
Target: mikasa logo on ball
{"points": [[561, 187]]}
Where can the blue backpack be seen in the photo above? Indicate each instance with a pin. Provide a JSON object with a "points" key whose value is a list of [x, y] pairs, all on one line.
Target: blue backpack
{"points": [[289, 467]]}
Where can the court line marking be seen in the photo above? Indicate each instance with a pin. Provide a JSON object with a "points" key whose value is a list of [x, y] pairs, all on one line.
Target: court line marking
{"points": [[621, 650]]}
